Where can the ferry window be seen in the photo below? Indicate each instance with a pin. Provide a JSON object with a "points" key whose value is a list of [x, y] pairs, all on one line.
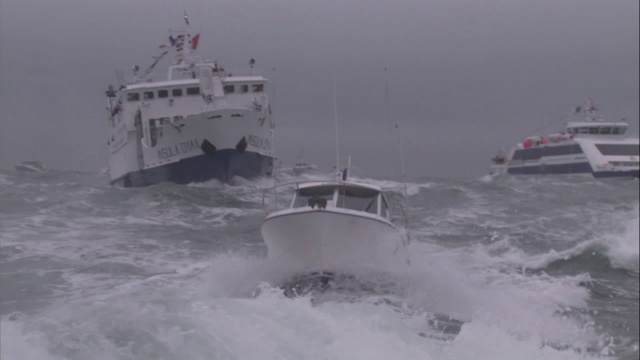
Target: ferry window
{"points": [[228, 89], [618, 149], [623, 130], [358, 199], [605, 130], [148, 95], [163, 93], [583, 130], [176, 92], [193, 91], [133, 97], [258, 87], [244, 88], [303, 196], [593, 130]]}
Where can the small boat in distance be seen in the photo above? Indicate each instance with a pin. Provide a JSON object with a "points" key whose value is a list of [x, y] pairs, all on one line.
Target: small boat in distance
{"points": [[31, 166], [301, 166], [199, 122], [590, 145], [333, 226]]}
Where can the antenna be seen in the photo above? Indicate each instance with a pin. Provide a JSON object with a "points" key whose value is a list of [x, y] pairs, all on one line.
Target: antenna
{"points": [[395, 133], [399, 147], [272, 126], [335, 116]]}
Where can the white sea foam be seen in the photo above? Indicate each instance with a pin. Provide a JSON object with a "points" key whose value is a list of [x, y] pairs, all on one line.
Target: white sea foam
{"points": [[187, 315], [623, 245]]}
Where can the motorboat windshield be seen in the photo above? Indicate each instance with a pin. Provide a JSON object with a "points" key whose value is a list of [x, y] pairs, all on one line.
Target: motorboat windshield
{"points": [[358, 197]]}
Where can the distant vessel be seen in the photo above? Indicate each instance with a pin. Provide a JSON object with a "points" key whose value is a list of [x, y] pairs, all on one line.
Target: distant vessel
{"points": [[301, 166], [333, 227], [31, 166], [590, 145], [203, 122]]}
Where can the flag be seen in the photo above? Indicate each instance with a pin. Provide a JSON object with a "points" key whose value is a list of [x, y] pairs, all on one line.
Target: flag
{"points": [[194, 41], [345, 174]]}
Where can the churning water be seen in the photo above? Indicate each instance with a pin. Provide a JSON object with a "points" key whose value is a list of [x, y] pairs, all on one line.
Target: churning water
{"points": [[501, 268]]}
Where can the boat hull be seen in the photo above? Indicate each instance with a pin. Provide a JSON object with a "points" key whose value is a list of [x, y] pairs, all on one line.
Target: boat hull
{"points": [[30, 167], [224, 165], [312, 240]]}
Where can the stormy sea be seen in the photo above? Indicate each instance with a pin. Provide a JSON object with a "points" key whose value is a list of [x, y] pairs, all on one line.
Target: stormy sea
{"points": [[500, 268]]}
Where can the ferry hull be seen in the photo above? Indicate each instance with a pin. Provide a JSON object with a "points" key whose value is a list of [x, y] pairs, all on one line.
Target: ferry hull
{"points": [[577, 168], [224, 166], [571, 168], [324, 240]]}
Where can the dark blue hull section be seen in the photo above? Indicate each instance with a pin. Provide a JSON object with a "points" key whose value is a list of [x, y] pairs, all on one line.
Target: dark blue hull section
{"points": [[576, 168], [223, 166], [616, 174]]}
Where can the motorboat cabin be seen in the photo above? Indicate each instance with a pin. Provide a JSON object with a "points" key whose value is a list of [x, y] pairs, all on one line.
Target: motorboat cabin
{"points": [[339, 196]]}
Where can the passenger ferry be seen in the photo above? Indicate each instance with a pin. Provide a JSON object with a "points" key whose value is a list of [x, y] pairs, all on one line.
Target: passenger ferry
{"points": [[201, 122], [589, 145]]}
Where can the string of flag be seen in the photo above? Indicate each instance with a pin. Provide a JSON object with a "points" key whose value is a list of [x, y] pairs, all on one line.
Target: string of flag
{"points": [[178, 43]]}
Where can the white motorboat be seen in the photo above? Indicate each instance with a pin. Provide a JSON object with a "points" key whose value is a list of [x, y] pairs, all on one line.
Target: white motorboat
{"points": [[31, 166], [198, 123], [589, 145], [334, 226]]}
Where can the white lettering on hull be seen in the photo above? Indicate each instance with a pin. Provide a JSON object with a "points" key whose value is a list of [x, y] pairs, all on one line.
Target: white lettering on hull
{"points": [[178, 149]]}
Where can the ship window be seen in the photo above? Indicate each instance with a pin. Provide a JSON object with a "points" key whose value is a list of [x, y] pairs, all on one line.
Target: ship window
{"points": [[583, 130], [133, 97], [244, 88], [258, 87], [193, 91], [303, 195], [619, 149], [358, 199], [176, 92], [605, 130], [163, 93], [621, 130], [148, 95], [228, 89], [593, 130]]}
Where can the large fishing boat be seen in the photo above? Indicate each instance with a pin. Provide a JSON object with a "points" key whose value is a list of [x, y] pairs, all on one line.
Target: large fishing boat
{"points": [[588, 145], [201, 122]]}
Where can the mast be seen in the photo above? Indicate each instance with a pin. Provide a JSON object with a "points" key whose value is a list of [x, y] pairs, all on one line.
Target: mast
{"points": [[335, 117]]}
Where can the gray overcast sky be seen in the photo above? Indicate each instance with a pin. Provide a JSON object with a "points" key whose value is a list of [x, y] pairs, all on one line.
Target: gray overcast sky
{"points": [[465, 76]]}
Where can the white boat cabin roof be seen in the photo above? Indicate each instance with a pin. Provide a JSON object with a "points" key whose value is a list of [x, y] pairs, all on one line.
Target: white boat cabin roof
{"points": [[338, 183]]}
